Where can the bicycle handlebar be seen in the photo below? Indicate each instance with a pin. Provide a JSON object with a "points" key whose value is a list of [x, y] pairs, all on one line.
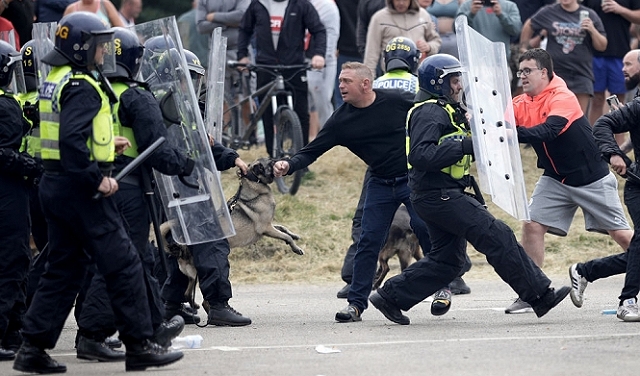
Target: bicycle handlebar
{"points": [[256, 66]]}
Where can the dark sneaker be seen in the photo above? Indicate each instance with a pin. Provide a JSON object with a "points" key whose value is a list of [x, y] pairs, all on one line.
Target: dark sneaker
{"points": [[551, 299], [90, 349], [31, 359], [6, 354], [459, 287], [168, 330], [12, 341], [441, 302], [519, 306], [344, 292], [149, 354], [578, 285], [348, 314], [172, 309], [225, 315], [389, 310]]}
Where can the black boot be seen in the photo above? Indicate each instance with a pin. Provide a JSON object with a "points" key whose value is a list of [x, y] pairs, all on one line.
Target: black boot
{"points": [[168, 330], [113, 342], [172, 309], [12, 341], [31, 359], [221, 314], [91, 349], [149, 354], [551, 299]]}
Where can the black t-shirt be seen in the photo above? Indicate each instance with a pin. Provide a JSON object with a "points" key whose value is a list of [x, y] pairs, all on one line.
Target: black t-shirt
{"points": [[616, 27], [20, 13]]}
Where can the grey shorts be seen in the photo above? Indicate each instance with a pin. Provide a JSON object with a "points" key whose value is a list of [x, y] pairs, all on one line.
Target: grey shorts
{"points": [[554, 204]]}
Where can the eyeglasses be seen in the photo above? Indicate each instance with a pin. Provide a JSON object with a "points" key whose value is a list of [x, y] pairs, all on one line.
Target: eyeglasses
{"points": [[525, 72]]}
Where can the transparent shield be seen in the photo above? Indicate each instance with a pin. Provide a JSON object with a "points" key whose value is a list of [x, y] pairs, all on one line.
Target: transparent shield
{"points": [[495, 140], [195, 204], [215, 84], [43, 34], [17, 83]]}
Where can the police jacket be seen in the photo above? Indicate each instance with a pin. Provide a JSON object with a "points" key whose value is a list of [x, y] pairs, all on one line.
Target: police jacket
{"points": [[300, 15], [13, 126], [78, 102], [427, 155], [139, 118], [553, 123], [624, 119]]}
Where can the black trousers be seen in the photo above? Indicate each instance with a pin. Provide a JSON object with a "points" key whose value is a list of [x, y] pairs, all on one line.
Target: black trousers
{"points": [[356, 229], [625, 262], [15, 254], [453, 220], [94, 317], [211, 260], [83, 231]]}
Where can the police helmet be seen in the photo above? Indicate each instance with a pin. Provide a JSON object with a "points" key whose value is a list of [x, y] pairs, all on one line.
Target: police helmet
{"points": [[401, 53], [77, 37], [128, 51], [196, 70], [154, 49], [434, 75], [10, 66], [30, 65]]}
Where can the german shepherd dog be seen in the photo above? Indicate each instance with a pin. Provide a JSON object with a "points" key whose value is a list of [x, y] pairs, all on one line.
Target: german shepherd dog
{"points": [[401, 241], [252, 211]]}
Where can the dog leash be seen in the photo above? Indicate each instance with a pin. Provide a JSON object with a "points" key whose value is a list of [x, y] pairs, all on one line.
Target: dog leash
{"points": [[233, 201]]}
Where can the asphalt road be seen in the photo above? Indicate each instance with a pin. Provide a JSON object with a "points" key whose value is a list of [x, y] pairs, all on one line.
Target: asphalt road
{"points": [[294, 333]]}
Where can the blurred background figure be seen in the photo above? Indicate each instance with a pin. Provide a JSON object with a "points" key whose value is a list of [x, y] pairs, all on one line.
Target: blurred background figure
{"points": [[347, 46], [129, 11], [445, 12], [321, 82], [50, 10], [191, 39], [102, 8]]}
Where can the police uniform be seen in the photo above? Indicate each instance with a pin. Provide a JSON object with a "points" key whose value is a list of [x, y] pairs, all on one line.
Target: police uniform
{"points": [[139, 119], [14, 216], [440, 152]]}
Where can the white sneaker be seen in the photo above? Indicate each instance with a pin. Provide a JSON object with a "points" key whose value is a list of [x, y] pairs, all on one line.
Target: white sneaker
{"points": [[578, 285], [519, 306], [628, 311]]}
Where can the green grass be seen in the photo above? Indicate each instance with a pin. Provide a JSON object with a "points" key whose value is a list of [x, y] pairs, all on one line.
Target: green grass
{"points": [[321, 213]]}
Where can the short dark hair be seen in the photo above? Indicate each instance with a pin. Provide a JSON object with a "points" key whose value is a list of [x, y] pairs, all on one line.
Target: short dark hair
{"points": [[542, 59]]}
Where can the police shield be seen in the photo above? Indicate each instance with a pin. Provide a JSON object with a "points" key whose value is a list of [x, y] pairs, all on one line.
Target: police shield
{"points": [[17, 84], [215, 84], [495, 141], [195, 204], [43, 35]]}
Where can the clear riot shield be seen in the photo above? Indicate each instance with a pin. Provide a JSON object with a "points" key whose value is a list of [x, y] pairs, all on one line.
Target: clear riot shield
{"points": [[215, 84], [495, 140], [43, 35], [195, 204]]}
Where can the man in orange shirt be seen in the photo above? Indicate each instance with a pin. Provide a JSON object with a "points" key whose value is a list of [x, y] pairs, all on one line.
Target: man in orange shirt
{"points": [[548, 116]]}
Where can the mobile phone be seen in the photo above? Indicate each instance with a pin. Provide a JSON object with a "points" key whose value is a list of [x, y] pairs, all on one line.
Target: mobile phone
{"points": [[613, 102], [487, 3]]}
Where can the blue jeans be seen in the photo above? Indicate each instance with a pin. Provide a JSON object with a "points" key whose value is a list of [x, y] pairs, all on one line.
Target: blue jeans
{"points": [[383, 198]]}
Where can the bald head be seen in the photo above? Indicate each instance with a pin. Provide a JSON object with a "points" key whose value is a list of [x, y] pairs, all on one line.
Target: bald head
{"points": [[631, 69]]}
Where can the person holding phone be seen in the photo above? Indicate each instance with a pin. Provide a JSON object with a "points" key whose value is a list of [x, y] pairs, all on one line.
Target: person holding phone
{"points": [[496, 20]]}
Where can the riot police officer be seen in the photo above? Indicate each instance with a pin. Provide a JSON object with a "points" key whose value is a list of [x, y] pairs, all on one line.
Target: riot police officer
{"points": [[77, 147], [139, 119], [15, 254], [440, 151]]}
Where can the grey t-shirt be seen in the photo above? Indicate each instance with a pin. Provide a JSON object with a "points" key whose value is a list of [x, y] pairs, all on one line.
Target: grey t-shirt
{"points": [[570, 47]]}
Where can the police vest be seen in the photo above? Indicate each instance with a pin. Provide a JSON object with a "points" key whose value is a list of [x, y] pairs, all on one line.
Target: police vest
{"points": [[460, 168], [397, 79], [31, 141], [100, 143], [118, 128]]}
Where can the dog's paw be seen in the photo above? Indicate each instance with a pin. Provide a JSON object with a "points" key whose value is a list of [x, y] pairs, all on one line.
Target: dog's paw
{"points": [[298, 251]]}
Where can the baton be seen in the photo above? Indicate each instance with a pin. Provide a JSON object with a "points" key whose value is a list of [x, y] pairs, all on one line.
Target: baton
{"points": [[136, 162]]}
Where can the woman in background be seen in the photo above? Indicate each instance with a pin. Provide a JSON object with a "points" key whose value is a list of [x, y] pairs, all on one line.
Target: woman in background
{"points": [[103, 8]]}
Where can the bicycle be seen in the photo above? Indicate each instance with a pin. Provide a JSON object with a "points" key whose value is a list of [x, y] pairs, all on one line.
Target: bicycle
{"points": [[287, 131]]}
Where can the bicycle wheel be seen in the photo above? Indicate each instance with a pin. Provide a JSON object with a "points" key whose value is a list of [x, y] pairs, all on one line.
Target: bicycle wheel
{"points": [[288, 138]]}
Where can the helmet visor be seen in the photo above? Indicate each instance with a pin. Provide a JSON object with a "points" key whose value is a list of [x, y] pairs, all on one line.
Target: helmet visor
{"points": [[105, 54], [14, 62], [197, 79]]}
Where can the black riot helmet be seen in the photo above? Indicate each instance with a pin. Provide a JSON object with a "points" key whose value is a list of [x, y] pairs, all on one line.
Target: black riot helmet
{"points": [[401, 53], [129, 52]]}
